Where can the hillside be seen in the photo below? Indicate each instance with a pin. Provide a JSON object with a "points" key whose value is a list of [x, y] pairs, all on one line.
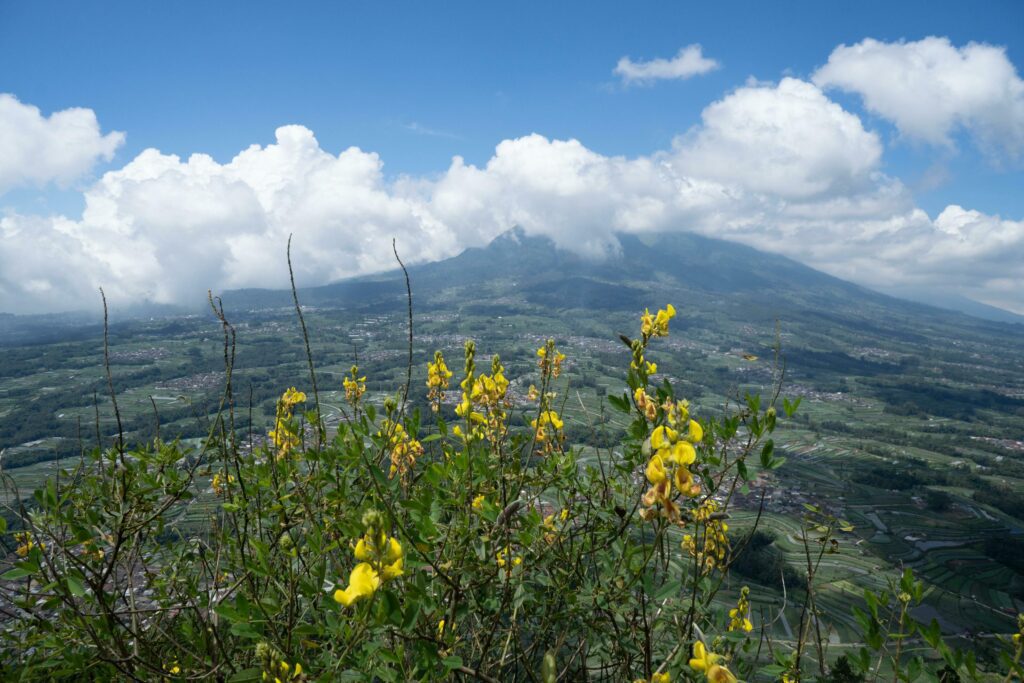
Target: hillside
{"points": [[911, 426]]}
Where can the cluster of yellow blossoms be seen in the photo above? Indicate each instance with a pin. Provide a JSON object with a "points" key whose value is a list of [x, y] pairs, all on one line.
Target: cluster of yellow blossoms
{"points": [[275, 667], [284, 435], [403, 448], [380, 559], [506, 559], [651, 325], [738, 615], [489, 394], [672, 454], [26, 542], [222, 483], [715, 547], [550, 362], [91, 548], [438, 375], [656, 325], [355, 386], [547, 425], [550, 528], [707, 662]]}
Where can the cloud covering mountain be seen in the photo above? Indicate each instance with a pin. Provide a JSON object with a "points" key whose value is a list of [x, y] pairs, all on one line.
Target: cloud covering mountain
{"points": [[779, 166]]}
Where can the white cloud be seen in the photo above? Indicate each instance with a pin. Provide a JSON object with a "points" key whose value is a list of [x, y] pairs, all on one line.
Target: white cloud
{"points": [[688, 62], [929, 89], [786, 139], [37, 149], [164, 229], [779, 167]]}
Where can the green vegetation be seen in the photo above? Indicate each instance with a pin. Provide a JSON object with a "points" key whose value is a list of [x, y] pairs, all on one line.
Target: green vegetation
{"points": [[910, 428]]}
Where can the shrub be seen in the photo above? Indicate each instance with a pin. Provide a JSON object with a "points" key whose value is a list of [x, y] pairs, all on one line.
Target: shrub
{"points": [[402, 548]]}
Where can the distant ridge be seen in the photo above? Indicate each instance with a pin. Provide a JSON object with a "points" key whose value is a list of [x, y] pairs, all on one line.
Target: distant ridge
{"points": [[682, 265], [515, 269]]}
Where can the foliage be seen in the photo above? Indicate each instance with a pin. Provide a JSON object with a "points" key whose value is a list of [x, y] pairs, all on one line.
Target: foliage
{"points": [[397, 549]]}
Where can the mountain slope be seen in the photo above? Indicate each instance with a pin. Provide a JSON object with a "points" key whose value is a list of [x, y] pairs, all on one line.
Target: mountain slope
{"points": [[707, 276]]}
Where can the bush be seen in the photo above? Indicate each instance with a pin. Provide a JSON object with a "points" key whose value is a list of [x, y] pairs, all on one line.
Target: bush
{"points": [[401, 548]]}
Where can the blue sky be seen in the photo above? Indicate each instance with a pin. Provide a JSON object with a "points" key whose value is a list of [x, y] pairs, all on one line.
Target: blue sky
{"points": [[216, 77], [418, 83]]}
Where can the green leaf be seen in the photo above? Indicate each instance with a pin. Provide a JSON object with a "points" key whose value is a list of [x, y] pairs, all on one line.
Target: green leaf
{"points": [[620, 403], [245, 630], [452, 662], [16, 573], [75, 586], [668, 590], [741, 467], [251, 674], [229, 613]]}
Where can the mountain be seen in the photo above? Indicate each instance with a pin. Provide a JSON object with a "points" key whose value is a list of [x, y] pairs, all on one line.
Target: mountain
{"points": [[706, 276]]}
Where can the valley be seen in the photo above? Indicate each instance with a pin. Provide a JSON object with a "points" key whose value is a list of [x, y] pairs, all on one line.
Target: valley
{"points": [[911, 422]]}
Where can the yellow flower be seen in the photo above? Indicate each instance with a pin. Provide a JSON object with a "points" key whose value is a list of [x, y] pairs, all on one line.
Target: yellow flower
{"points": [[383, 554], [26, 542], [438, 375], [685, 483], [663, 436], [646, 404], [293, 397], [355, 386], [738, 623], [702, 659], [284, 435], [656, 325], [716, 543], [504, 557], [719, 674], [362, 582], [738, 620], [696, 432], [548, 419], [393, 570], [651, 368], [404, 449], [656, 470], [681, 453], [220, 484], [665, 677], [440, 628], [478, 503]]}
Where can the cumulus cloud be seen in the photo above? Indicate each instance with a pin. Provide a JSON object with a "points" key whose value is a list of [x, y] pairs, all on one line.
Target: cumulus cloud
{"points": [[688, 62], [164, 229], [37, 149], [930, 88], [777, 166], [786, 139]]}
